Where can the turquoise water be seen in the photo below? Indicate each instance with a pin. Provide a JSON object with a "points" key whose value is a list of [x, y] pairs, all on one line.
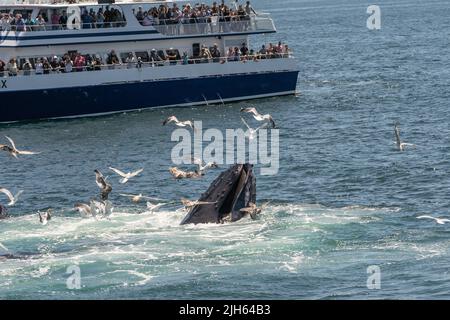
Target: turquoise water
{"points": [[343, 200]]}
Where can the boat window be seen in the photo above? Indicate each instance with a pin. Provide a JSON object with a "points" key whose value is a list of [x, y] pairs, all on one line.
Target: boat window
{"points": [[143, 55], [26, 14], [21, 62], [125, 55], [235, 42], [44, 14], [146, 13], [102, 16]]}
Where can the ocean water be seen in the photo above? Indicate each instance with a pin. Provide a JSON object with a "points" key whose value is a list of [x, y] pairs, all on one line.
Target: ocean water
{"points": [[343, 199]]}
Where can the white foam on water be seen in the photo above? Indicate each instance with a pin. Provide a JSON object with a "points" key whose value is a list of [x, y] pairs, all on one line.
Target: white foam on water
{"points": [[154, 244], [294, 262]]}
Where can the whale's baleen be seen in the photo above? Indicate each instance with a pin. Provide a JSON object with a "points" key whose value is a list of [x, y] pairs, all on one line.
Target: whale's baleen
{"points": [[231, 191]]}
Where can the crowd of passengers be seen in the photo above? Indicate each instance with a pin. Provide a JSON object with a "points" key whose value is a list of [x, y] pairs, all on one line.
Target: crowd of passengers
{"points": [[112, 17], [198, 13], [76, 62], [103, 18]]}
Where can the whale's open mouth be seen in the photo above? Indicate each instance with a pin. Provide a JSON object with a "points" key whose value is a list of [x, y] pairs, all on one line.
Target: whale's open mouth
{"points": [[231, 191]]}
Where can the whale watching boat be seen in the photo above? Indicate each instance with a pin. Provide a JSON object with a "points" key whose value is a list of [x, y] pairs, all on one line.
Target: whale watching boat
{"points": [[67, 59]]}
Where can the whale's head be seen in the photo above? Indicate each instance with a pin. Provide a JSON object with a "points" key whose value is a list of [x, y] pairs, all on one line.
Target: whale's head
{"points": [[231, 191]]}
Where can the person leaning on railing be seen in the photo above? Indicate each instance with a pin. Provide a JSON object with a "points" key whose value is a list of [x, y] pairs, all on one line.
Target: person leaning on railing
{"points": [[87, 62], [26, 68], [12, 67], [5, 22], [2, 68]]}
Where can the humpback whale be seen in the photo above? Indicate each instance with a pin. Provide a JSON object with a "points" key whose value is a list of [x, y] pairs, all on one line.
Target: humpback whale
{"points": [[3, 212], [233, 190]]}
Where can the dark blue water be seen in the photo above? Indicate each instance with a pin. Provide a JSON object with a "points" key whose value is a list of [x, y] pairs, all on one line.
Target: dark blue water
{"points": [[344, 198]]}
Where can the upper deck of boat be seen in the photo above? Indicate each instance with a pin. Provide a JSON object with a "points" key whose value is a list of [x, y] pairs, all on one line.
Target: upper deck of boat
{"points": [[185, 19]]}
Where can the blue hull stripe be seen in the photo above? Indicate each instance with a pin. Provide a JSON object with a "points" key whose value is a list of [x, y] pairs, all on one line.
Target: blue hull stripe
{"points": [[81, 35], [77, 101]]}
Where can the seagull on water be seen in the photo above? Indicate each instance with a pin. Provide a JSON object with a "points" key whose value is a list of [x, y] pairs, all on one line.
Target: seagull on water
{"points": [[12, 150], [12, 199], [258, 116], [179, 123], [44, 217], [126, 176], [253, 210], [180, 174], [400, 145], [103, 207], [252, 132], [86, 210], [438, 220], [104, 186]]}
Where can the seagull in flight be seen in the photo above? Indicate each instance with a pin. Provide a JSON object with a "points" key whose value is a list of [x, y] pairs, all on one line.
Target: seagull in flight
{"points": [[104, 186], [137, 197], [258, 116], [438, 220], [12, 150], [252, 132], [400, 145], [188, 204], [126, 176], [179, 123], [180, 174], [12, 199], [152, 207], [45, 217], [201, 167]]}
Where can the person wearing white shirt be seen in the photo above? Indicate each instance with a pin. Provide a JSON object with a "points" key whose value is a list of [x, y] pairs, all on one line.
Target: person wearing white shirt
{"points": [[68, 65], [39, 67]]}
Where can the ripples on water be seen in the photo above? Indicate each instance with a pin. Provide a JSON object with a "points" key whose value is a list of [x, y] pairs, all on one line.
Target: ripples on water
{"points": [[343, 200]]}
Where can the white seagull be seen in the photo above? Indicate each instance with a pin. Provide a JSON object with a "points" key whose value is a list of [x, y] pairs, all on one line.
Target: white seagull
{"points": [[126, 176], [400, 145], [154, 207], [13, 151], [86, 210], [254, 210], [180, 174], [251, 131], [258, 116], [188, 204], [104, 207], [438, 220], [201, 167], [137, 197], [12, 199], [178, 123]]}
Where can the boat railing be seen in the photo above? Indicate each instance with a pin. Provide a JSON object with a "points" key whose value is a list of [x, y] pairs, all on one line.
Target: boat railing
{"points": [[260, 23], [214, 26], [149, 64], [54, 27]]}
